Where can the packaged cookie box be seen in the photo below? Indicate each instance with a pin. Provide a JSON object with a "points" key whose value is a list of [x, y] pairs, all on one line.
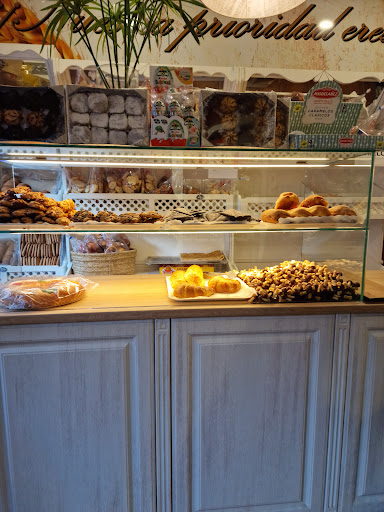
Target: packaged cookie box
{"points": [[238, 119], [107, 116], [34, 114]]}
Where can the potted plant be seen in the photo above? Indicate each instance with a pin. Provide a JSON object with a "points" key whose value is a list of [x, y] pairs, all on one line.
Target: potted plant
{"points": [[124, 27]]}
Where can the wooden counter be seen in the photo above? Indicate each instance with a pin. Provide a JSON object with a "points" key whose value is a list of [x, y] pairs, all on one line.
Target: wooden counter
{"points": [[145, 296]]}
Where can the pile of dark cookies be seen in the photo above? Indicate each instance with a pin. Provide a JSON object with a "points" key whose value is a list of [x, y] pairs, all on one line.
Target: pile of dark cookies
{"points": [[184, 216], [299, 281], [31, 113], [123, 218], [22, 205]]}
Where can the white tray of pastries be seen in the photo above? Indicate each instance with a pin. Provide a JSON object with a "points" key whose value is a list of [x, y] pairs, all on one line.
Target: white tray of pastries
{"points": [[192, 286]]}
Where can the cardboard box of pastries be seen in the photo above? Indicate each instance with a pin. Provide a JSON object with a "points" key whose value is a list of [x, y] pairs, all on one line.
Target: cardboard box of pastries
{"points": [[34, 114], [238, 119], [107, 116]]}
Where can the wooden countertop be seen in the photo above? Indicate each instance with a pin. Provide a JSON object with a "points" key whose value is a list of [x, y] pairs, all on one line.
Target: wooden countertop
{"points": [[140, 297]]}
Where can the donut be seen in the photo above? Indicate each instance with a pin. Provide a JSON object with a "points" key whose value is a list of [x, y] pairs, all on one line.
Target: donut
{"points": [[41, 293], [320, 211], [273, 215], [313, 200], [341, 209], [287, 201]]}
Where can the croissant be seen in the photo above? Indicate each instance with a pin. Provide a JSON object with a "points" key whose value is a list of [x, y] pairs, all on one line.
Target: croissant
{"points": [[186, 291], [287, 201], [224, 285], [194, 275], [177, 277], [313, 200], [341, 209], [273, 216]]}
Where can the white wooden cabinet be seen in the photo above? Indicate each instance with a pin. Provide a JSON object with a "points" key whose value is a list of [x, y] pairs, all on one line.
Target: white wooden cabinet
{"points": [[250, 401], [362, 468], [77, 418]]}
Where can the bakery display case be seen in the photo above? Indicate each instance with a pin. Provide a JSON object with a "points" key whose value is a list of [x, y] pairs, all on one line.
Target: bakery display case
{"points": [[252, 210]]}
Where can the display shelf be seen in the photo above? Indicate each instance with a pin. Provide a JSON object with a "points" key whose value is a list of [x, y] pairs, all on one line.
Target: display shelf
{"points": [[259, 176], [185, 228], [161, 203]]}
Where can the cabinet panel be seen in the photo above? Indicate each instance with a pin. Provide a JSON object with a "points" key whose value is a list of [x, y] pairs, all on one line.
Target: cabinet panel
{"points": [[78, 417], [249, 410], [362, 483]]}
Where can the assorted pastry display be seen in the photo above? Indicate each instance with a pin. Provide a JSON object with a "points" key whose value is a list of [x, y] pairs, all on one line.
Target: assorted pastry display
{"points": [[238, 119], [40, 249], [101, 243], [288, 208], [299, 281], [32, 113], [192, 283], [107, 116], [37, 293], [21, 205]]}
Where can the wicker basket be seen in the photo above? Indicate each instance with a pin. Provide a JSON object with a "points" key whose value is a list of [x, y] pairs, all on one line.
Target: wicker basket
{"points": [[116, 263]]}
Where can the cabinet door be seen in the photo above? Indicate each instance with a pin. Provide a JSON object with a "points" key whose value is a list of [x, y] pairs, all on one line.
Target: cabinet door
{"points": [[362, 475], [77, 425], [250, 413]]}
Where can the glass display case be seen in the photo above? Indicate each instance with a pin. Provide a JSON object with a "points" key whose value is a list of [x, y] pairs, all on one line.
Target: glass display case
{"points": [[202, 202]]}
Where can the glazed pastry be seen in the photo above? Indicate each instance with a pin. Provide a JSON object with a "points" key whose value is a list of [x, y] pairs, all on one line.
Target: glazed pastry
{"points": [[80, 135], [187, 290], [341, 209], [79, 103], [136, 122], [228, 105], [118, 122], [194, 275], [118, 137], [115, 104], [99, 135], [273, 215], [177, 278], [320, 211], [313, 200], [287, 201], [300, 212], [77, 118], [99, 120], [137, 137], [133, 106], [98, 102], [223, 284]]}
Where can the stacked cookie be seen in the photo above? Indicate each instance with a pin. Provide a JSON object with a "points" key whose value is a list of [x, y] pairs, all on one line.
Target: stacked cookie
{"points": [[20, 204], [41, 249]]}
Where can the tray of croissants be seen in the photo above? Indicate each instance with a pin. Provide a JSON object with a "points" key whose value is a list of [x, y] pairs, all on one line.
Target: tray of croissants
{"points": [[193, 285]]}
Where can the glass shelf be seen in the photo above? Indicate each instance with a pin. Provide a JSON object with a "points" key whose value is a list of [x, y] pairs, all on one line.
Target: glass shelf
{"points": [[212, 157], [188, 228]]}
